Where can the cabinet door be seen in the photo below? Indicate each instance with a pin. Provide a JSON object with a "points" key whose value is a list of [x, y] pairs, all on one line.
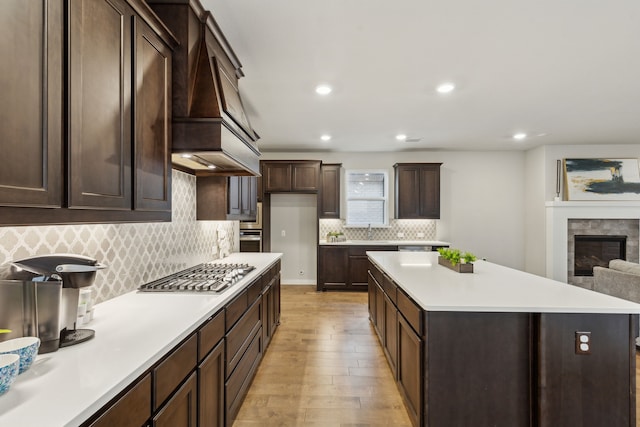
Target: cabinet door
{"points": [[211, 388], [372, 298], [430, 191], [305, 177], [152, 104], [131, 410], [330, 191], [417, 190], [380, 314], [235, 196], [391, 334], [248, 196], [333, 267], [358, 272], [407, 192], [276, 176], [99, 85], [409, 369], [182, 409], [31, 87]]}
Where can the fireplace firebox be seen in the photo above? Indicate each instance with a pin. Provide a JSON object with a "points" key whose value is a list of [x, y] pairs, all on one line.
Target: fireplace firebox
{"points": [[597, 250]]}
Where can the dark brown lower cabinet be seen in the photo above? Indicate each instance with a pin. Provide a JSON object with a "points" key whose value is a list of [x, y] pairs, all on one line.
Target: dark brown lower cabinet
{"points": [[131, 410], [515, 369], [391, 333], [204, 379], [182, 409], [333, 267], [345, 267], [409, 369], [239, 381], [211, 389]]}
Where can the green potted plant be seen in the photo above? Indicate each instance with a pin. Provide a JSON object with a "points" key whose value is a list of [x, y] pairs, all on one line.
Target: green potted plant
{"points": [[456, 260]]}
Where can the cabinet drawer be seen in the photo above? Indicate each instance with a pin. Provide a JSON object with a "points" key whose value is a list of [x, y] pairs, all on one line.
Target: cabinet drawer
{"points": [[411, 311], [239, 338], [254, 291], [235, 309], [131, 410], [390, 288], [376, 273], [238, 383], [175, 368], [357, 250], [210, 334]]}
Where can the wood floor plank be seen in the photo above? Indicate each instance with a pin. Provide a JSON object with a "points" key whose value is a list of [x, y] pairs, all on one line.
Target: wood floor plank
{"points": [[324, 367]]}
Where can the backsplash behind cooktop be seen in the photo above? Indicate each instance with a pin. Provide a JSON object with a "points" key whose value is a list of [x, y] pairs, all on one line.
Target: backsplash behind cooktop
{"points": [[134, 253]]}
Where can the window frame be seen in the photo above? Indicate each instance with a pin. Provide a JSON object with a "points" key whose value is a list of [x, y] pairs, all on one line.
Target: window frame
{"points": [[384, 198]]}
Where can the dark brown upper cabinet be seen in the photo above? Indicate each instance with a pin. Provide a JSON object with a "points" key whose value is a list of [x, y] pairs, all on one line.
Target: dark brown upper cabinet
{"points": [[99, 96], [243, 198], [285, 176], [329, 205], [417, 187], [152, 103], [103, 98], [31, 103]]}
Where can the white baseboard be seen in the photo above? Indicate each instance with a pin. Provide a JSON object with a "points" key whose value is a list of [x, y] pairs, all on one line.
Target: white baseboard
{"points": [[297, 282]]}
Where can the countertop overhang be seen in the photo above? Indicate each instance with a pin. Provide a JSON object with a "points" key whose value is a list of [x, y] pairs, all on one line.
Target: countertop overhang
{"points": [[490, 288], [133, 331]]}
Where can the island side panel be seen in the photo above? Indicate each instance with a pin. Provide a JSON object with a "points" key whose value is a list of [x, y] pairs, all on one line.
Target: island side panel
{"points": [[595, 389], [477, 369]]}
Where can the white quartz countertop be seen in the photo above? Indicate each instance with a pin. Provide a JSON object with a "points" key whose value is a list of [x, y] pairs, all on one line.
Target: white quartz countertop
{"points": [[387, 243], [490, 288], [133, 332]]}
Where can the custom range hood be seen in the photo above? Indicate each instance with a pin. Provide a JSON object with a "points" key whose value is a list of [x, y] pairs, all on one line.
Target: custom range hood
{"points": [[212, 134]]}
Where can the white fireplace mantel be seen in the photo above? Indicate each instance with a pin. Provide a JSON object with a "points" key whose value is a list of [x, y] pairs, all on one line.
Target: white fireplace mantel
{"points": [[558, 214]]}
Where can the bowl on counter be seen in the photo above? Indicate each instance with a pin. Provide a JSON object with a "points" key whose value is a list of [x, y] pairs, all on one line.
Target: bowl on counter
{"points": [[9, 367], [25, 347]]}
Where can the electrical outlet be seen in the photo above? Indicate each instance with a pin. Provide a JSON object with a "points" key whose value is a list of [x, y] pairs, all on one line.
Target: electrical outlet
{"points": [[420, 234], [401, 235], [583, 342], [283, 233]]}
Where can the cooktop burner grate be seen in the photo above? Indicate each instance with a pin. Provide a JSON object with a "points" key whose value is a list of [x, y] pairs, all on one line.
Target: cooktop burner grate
{"points": [[207, 277]]}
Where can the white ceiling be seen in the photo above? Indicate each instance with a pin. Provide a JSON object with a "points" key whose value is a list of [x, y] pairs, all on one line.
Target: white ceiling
{"points": [[563, 71]]}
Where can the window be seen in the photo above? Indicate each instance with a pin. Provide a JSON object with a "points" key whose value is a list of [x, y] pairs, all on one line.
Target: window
{"points": [[367, 198]]}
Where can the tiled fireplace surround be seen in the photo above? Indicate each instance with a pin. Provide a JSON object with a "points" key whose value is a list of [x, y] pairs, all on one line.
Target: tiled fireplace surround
{"points": [[567, 219]]}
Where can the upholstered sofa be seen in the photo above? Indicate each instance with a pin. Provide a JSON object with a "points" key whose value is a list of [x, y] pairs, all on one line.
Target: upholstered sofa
{"points": [[621, 279]]}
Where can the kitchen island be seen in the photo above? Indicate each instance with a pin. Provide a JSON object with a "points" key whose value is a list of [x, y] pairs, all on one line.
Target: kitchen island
{"points": [[152, 351], [500, 347]]}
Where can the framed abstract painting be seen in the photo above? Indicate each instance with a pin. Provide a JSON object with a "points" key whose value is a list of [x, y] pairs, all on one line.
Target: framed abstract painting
{"points": [[602, 179]]}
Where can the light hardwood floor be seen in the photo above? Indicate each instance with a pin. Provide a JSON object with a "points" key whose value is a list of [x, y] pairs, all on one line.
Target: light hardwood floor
{"points": [[325, 367]]}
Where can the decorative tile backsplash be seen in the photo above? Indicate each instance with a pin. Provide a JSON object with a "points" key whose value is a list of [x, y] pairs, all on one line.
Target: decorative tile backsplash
{"points": [[409, 227], [134, 253]]}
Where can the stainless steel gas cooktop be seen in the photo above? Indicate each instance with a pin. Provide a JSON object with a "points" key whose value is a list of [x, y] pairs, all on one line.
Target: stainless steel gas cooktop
{"points": [[207, 277]]}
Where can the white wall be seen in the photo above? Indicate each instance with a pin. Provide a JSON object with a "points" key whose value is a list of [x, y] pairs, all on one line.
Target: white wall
{"points": [[482, 200], [535, 193], [297, 216]]}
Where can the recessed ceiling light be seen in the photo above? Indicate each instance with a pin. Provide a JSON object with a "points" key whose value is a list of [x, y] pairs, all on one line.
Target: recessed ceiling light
{"points": [[186, 156], [323, 89], [401, 137], [211, 166], [519, 136], [446, 87], [325, 137]]}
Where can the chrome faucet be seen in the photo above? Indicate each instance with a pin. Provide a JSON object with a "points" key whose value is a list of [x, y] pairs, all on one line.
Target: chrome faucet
{"points": [[369, 232]]}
